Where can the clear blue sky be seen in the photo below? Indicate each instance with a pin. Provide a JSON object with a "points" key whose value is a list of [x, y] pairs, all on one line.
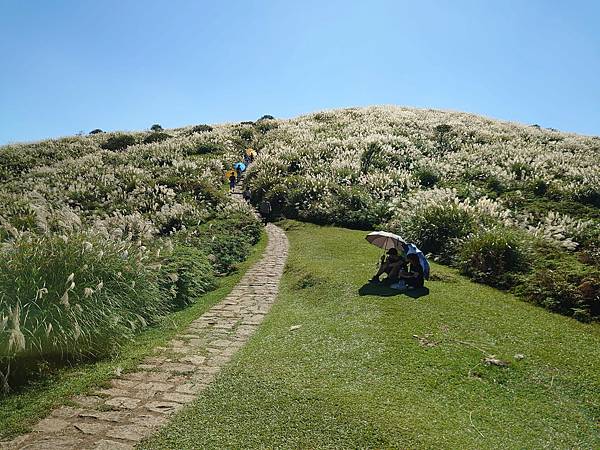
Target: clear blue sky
{"points": [[69, 66]]}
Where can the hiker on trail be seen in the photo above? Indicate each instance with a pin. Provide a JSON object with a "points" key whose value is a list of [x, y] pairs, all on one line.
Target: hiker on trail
{"points": [[247, 194], [238, 170], [265, 210], [232, 182], [392, 265], [247, 159]]}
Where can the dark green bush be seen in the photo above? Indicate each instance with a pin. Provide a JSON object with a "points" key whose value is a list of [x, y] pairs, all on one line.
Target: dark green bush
{"points": [[156, 127], [156, 137], [539, 187], [433, 228], [207, 147], [267, 117], [355, 208], [494, 257], [494, 185], [570, 289], [202, 129], [246, 134], [96, 131], [427, 177], [185, 275], [226, 249], [588, 196], [227, 239], [119, 142]]}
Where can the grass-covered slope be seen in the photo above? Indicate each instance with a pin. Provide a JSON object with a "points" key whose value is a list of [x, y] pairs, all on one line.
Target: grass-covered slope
{"points": [[513, 206], [22, 410], [395, 371], [101, 235]]}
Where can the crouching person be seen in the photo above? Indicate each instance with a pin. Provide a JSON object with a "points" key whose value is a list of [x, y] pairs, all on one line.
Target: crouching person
{"points": [[392, 266], [414, 277]]}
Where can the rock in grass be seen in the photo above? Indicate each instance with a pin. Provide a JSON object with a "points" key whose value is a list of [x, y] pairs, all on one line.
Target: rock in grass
{"points": [[493, 361]]}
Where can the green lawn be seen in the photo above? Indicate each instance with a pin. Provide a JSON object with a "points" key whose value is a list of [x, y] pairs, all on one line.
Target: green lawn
{"points": [[355, 376], [19, 411]]}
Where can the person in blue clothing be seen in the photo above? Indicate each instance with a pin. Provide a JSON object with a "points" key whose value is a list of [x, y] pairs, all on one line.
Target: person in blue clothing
{"points": [[413, 249], [415, 275], [417, 272]]}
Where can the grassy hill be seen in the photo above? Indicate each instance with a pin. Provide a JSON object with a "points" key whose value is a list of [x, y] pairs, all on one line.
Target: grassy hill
{"points": [[513, 206], [103, 236], [340, 364]]}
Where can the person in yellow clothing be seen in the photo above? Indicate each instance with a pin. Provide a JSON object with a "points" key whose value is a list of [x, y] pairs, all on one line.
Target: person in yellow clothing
{"points": [[251, 154]]}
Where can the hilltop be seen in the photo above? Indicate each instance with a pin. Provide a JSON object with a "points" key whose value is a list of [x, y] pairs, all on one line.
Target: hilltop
{"points": [[466, 188], [113, 243]]}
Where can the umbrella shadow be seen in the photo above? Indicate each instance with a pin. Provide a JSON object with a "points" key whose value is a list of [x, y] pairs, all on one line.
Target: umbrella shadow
{"points": [[383, 290]]}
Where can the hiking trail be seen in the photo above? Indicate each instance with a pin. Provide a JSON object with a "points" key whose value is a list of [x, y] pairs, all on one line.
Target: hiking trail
{"points": [[138, 403]]}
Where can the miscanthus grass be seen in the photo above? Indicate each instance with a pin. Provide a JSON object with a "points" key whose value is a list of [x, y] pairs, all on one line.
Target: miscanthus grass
{"points": [[73, 295]]}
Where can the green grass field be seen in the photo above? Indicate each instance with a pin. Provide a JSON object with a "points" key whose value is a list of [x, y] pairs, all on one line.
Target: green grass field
{"points": [[381, 370], [19, 411]]}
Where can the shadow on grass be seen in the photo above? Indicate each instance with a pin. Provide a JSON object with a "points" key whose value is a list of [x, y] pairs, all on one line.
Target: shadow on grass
{"points": [[383, 290]]}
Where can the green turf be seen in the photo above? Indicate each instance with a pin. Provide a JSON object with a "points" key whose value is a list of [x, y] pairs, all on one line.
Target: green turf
{"points": [[355, 376], [19, 411]]}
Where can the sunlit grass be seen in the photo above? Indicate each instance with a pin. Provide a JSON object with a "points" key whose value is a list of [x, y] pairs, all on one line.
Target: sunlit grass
{"points": [[19, 411], [396, 371]]}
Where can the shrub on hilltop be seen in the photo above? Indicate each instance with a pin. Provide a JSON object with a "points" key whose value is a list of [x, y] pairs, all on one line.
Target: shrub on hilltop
{"points": [[202, 129], [156, 137], [119, 142]]}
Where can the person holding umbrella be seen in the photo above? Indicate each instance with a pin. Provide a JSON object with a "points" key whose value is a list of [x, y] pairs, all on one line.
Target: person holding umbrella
{"points": [[394, 263], [239, 168]]}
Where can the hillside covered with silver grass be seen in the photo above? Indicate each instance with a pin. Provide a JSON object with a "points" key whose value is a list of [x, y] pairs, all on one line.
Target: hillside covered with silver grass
{"points": [[103, 234], [88, 224], [445, 179]]}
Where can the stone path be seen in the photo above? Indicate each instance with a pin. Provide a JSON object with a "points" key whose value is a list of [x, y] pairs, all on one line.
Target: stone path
{"points": [[136, 404]]}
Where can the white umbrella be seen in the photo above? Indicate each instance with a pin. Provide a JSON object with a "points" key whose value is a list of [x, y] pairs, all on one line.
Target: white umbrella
{"points": [[385, 240]]}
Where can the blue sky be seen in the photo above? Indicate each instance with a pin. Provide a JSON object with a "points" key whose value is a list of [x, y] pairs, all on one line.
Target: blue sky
{"points": [[70, 66]]}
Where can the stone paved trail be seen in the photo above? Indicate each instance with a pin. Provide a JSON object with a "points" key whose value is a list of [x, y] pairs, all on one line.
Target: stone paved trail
{"points": [[138, 403]]}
